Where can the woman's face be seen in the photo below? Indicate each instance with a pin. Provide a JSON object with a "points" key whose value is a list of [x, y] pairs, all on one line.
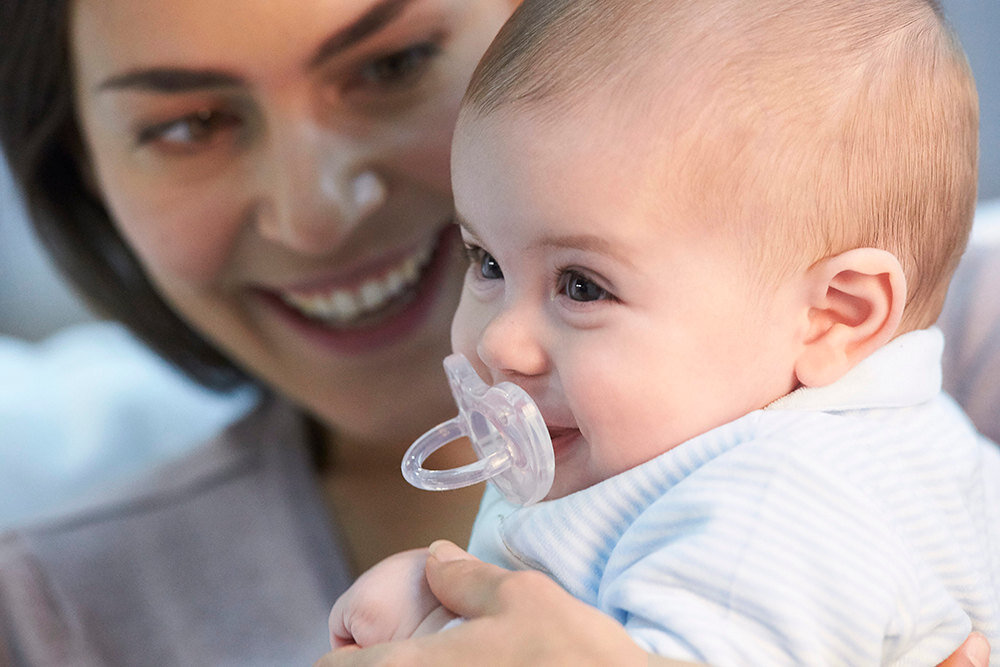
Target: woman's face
{"points": [[281, 170]]}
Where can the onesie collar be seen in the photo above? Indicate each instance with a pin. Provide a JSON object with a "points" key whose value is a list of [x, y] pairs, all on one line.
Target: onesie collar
{"points": [[904, 371]]}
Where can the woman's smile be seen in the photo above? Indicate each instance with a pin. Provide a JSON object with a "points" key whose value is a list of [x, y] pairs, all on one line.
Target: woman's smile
{"points": [[377, 306], [351, 304]]}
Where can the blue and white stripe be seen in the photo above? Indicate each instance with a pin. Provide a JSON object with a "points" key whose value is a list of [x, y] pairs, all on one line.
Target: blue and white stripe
{"points": [[817, 531]]}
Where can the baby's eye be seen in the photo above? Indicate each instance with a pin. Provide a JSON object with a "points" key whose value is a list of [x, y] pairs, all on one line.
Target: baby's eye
{"points": [[489, 268], [484, 263], [191, 132], [580, 288], [400, 67]]}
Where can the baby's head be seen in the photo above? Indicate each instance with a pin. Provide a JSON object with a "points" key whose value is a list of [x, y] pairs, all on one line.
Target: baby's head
{"points": [[681, 210]]}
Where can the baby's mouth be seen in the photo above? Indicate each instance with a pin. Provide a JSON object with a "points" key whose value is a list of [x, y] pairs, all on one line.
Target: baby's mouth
{"points": [[344, 307], [562, 436]]}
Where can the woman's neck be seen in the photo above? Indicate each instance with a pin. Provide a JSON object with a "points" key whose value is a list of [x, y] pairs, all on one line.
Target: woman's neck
{"points": [[378, 513]]}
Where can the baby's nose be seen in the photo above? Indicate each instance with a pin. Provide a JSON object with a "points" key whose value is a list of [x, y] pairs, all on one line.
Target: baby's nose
{"points": [[510, 346]]}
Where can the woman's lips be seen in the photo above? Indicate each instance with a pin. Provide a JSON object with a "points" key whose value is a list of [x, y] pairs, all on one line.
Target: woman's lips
{"points": [[346, 307], [376, 311]]}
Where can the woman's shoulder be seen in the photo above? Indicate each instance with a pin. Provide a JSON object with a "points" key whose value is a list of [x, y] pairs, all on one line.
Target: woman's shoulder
{"points": [[184, 562], [268, 433], [89, 406], [971, 323]]}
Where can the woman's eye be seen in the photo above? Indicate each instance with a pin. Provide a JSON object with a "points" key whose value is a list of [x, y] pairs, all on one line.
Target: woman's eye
{"points": [[190, 132], [579, 288], [488, 267], [400, 67]]}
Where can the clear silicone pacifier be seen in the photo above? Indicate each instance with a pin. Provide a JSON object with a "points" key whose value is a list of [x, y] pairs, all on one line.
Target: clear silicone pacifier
{"points": [[507, 433]]}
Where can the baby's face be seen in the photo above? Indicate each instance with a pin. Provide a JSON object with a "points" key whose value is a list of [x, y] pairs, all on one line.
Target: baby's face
{"points": [[631, 327]]}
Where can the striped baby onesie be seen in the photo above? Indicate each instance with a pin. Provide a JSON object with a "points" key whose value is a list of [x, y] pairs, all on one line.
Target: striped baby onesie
{"points": [[854, 524]]}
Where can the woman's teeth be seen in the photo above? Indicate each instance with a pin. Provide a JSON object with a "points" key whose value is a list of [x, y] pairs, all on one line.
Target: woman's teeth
{"points": [[345, 306]]}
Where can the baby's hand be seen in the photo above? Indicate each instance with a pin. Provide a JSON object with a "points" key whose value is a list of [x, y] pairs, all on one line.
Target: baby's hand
{"points": [[390, 601]]}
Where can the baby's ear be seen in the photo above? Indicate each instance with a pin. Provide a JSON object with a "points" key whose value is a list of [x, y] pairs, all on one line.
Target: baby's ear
{"points": [[855, 305]]}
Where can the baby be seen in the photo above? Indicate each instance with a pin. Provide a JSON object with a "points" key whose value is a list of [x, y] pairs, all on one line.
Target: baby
{"points": [[711, 239]]}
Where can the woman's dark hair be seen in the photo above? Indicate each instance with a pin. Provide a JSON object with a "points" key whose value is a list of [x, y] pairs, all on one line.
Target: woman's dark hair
{"points": [[40, 137]]}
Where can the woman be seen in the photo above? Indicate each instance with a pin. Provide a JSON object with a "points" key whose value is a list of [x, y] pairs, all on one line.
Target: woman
{"points": [[261, 191]]}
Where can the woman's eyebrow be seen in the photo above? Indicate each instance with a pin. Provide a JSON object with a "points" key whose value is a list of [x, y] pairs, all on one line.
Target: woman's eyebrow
{"points": [[377, 17], [174, 80], [169, 80]]}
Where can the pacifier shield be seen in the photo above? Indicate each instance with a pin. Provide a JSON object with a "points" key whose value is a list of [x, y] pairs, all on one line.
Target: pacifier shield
{"points": [[506, 430]]}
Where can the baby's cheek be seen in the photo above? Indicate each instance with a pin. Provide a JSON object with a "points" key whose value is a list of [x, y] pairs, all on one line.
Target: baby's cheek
{"points": [[466, 327], [625, 432]]}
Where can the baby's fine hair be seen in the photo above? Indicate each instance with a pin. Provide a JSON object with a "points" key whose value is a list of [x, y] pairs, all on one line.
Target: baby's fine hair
{"points": [[806, 127]]}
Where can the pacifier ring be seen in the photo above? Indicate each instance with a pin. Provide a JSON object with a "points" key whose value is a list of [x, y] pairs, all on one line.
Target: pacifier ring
{"points": [[507, 432]]}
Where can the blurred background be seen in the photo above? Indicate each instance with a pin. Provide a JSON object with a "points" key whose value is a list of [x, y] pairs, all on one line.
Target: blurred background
{"points": [[34, 302]]}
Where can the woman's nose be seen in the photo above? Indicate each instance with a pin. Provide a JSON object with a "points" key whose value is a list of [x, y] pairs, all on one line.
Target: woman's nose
{"points": [[315, 188], [510, 345]]}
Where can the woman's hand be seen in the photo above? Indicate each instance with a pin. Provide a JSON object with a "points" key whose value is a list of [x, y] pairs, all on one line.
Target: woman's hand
{"points": [[974, 652], [513, 618], [525, 618]]}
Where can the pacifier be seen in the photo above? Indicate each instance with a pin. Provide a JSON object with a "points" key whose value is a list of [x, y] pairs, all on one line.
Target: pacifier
{"points": [[507, 433]]}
